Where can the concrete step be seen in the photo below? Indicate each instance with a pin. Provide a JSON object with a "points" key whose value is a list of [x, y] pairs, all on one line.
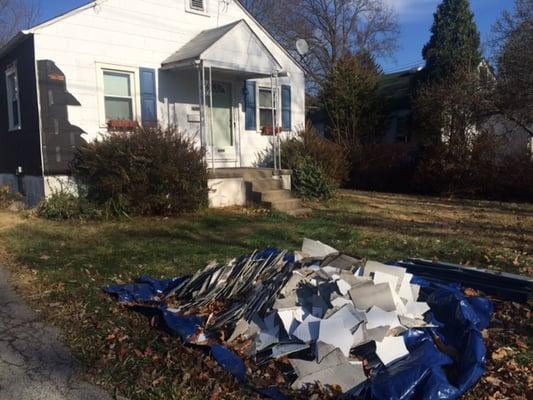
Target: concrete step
{"points": [[274, 195], [284, 205], [249, 174], [264, 185], [300, 212]]}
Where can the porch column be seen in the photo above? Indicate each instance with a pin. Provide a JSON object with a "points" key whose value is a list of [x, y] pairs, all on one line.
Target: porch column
{"points": [[201, 86]]}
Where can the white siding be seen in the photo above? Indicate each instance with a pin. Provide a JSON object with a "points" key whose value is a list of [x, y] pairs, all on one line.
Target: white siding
{"points": [[143, 33]]}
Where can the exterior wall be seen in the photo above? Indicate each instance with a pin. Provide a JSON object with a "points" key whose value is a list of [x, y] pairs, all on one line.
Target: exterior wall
{"points": [[32, 186], [515, 140], [59, 183], [139, 34], [226, 192], [20, 149]]}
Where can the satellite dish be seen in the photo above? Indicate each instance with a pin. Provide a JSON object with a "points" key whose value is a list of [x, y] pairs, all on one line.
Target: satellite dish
{"points": [[302, 47]]}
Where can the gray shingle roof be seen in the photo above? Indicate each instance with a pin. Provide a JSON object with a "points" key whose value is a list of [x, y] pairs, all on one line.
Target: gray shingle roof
{"points": [[193, 49]]}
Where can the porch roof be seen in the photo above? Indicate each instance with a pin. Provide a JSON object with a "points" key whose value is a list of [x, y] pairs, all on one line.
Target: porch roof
{"points": [[234, 47]]}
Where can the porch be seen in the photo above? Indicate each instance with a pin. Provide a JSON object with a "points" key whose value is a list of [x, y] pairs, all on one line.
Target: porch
{"points": [[222, 67]]}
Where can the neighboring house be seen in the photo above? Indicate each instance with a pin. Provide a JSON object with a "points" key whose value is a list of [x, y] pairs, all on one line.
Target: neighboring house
{"points": [[396, 90], [118, 61]]}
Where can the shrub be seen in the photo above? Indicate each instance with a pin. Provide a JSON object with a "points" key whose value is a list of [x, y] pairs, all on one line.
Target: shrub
{"points": [[308, 143], [484, 171], [66, 205], [384, 167], [8, 197], [146, 171], [310, 181]]}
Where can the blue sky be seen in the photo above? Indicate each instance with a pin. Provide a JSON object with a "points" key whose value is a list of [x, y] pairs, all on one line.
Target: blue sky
{"points": [[416, 17]]}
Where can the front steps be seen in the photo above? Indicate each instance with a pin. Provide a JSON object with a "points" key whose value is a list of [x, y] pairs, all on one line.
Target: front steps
{"points": [[270, 194], [260, 186]]}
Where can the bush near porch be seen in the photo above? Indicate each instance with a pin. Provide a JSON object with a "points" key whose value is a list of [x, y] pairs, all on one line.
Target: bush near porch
{"points": [[144, 171], [319, 166]]}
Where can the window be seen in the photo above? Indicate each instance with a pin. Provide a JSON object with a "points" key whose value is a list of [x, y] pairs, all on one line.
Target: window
{"points": [[265, 107], [402, 129], [13, 98], [197, 5], [118, 95]]}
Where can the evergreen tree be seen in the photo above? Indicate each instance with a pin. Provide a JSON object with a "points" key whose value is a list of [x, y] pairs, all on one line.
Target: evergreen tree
{"points": [[350, 100], [455, 42]]}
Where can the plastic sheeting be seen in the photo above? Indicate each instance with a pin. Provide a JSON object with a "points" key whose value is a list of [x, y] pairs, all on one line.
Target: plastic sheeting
{"points": [[145, 290], [427, 373]]}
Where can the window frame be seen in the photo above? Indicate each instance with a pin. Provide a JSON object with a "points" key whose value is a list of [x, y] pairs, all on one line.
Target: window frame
{"points": [[276, 106], [134, 88], [12, 70], [189, 8]]}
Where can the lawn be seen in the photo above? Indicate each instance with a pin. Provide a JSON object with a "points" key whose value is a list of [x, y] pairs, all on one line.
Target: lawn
{"points": [[62, 266]]}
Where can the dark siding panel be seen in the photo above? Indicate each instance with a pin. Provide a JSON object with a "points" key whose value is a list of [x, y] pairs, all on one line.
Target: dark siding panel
{"points": [[60, 137], [20, 148]]}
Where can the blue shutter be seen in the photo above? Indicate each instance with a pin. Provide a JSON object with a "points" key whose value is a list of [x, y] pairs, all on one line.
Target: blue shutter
{"points": [[286, 113], [250, 105], [148, 97]]}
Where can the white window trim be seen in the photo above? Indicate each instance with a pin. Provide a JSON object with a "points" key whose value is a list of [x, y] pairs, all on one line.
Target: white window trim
{"points": [[258, 106], [135, 90], [12, 70], [192, 10]]}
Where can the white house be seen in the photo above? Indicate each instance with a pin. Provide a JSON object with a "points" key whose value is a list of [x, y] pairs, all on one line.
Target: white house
{"points": [[149, 61]]}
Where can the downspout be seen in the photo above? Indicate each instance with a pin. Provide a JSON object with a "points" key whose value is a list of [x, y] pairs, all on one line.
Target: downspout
{"points": [[39, 112], [272, 96], [198, 65], [211, 118], [278, 109]]}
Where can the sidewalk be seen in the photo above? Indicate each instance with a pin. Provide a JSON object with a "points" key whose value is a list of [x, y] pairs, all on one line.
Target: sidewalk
{"points": [[34, 365]]}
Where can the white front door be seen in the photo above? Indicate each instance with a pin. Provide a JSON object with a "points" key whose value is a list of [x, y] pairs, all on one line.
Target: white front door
{"points": [[221, 140]]}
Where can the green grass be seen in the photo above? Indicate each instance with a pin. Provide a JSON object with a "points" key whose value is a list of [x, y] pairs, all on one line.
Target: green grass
{"points": [[71, 262]]}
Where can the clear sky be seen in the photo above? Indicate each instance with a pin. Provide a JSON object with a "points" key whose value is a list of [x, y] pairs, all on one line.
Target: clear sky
{"points": [[416, 17]]}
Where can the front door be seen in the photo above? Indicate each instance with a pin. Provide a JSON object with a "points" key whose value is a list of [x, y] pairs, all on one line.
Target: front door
{"points": [[220, 140]]}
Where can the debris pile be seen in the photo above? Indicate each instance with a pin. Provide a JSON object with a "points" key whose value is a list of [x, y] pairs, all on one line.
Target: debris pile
{"points": [[359, 327]]}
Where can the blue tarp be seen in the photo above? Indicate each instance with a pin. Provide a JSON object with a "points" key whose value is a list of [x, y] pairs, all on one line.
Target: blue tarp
{"points": [[145, 290], [427, 373]]}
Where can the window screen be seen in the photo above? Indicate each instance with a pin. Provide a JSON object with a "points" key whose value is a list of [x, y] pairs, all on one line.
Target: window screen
{"points": [[118, 96], [265, 107]]}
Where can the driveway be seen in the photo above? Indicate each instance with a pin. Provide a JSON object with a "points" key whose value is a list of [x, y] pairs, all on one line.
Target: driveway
{"points": [[34, 364]]}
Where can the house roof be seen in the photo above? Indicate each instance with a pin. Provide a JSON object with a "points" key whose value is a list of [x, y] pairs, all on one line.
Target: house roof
{"points": [[93, 3], [397, 89], [220, 48], [13, 42], [199, 44]]}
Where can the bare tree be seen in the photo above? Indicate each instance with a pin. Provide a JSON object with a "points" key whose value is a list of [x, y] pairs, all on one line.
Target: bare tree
{"points": [[513, 43], [16, 15], [333, 29]]}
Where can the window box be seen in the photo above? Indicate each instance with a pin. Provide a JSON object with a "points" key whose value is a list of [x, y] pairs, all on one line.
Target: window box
{"points": [[269, 131], [122, 125]]}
